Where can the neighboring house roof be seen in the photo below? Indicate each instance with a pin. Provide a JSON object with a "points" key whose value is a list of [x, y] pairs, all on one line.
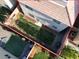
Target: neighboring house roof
{"points": [[76, 8], [73, 10], [55, 9]]}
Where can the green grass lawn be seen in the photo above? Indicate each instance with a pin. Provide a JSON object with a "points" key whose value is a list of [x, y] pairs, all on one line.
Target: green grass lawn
{"points": [[35, 31], [42, 55], [69, 53], [15, 45]]}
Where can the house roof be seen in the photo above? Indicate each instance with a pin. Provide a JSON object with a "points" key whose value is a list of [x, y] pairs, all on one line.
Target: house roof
{"points": [[58, 10]]}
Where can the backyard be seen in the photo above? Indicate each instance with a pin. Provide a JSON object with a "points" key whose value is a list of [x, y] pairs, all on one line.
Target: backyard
{"points": [[38, 32], [42, 55], [69, 53], [4, 12], [15, 45]]}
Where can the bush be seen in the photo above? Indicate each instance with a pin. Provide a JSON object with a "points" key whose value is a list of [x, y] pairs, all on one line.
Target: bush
{"points": [[69, 53], [2, 18], [3, 11], [42, 55]]}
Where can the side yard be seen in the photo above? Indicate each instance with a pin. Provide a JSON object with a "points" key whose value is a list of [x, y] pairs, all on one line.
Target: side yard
{"points": [[37, 32]]}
